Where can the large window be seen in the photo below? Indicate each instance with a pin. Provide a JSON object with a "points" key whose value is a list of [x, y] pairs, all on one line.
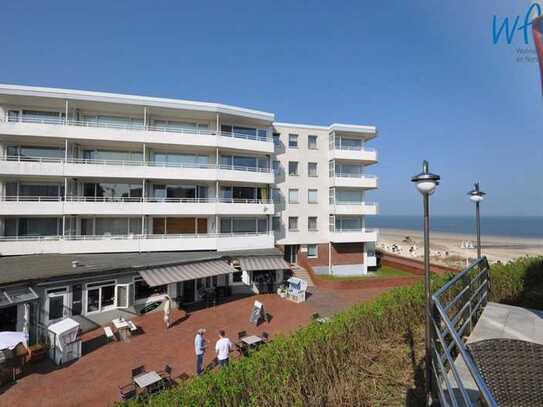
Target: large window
{"points": [[33, 226], [349, 196], [276, 223], [293, 168], [312, 251], [189, 127], [276, 139], [238, 193], [244, 225], [242, 162], [248, 132], [347, 223], [28, 191], [112, 191], [100, 296], [113, 155], [142, 290], [29, 152], [181, 160], [110, 226]]}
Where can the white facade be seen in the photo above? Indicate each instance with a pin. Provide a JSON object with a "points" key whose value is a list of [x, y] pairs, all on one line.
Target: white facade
{"points": [[89, 172]]}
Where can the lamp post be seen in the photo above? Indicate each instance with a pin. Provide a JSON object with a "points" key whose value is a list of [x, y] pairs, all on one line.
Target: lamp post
{"points": [[476, 195], [426, 183]]}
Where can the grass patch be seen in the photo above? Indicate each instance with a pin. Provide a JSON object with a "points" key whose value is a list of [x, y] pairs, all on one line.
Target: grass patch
{"points": [[382, 272], [369, 355]]}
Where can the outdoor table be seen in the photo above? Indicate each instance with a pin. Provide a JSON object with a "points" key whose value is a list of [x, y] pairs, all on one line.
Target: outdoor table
{"points": [[252, 340], [122, 327], [143, 381]]}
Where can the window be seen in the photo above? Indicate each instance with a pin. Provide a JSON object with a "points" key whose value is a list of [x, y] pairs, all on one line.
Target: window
{"points": [[312, 142], [293, 168], [293, 196], [312, 224], [276, 223], [277, 139], [100, 296], [142, 291], [237, 276], [312, 169], [312, 196], [292, 141], [293, 223], [312, 252]]}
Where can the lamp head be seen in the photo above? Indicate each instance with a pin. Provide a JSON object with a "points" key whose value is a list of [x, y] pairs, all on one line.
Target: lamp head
{"points": [[476, 195], [426, 182]]}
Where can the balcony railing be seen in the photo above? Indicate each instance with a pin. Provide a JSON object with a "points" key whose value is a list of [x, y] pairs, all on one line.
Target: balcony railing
{"points": [[133, 163], [128, 236], [355, 148], [22, 198], [354, 175], [132, 126], [351, 230], [355, 203]]}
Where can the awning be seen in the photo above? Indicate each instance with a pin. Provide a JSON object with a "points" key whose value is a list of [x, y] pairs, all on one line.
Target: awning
{"points": [[16, 295], [255, 263], [184, 272]]}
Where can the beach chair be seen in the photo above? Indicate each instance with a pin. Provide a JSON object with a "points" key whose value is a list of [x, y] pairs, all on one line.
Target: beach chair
{"points": [[166, 376], [109, 334], [242, 334]]}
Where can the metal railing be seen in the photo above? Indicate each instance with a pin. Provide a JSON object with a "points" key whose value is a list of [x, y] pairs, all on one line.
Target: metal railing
{"points": [[134, 236], [354, 175], [348, 230], [101, 199], [61, 121], [356, 203], [355, 148], [132, 163], [457, 306]]}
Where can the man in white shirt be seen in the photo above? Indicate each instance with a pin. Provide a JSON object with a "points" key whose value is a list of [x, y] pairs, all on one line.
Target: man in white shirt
{"points": [[223, 347], [199, 349]]}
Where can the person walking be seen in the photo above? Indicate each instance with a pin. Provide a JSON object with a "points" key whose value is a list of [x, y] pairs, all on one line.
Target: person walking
{"points": [[167, 311], [223, 347], [200, 345]]}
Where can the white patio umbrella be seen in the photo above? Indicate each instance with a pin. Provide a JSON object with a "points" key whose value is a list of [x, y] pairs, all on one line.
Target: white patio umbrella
{"points": [[26, 321]]}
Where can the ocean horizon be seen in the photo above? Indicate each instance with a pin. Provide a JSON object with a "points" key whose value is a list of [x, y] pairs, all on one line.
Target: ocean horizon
{"points": [[514, 226]]}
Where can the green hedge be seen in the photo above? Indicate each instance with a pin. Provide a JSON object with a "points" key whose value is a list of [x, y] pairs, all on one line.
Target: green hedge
{"points": [[371, 354]]}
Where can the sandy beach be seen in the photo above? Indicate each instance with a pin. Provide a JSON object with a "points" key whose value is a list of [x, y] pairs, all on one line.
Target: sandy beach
{"points": [[445, 248]]}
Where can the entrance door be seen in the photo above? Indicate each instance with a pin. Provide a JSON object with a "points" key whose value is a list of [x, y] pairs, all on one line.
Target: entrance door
{"points": [[188, 291], [57, 304], [291, 253], [8, 318]]}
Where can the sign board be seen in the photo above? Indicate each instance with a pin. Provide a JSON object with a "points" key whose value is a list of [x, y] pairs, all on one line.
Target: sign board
{"points": [[257, 313]]}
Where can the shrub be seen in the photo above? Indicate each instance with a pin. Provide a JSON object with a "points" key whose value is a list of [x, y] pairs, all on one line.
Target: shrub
{"points": [[371, 354]]}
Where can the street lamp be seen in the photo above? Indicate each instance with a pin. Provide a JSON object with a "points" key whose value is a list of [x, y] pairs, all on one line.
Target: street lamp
{"points": [[426, 183], [476, 195]]}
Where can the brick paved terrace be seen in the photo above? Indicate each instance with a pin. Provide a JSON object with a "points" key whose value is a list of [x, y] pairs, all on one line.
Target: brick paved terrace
{"points": [[94, 379]]}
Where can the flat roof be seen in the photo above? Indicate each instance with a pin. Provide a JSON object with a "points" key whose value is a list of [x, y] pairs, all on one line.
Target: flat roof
{"points": [[84, 95], [40, 267]]}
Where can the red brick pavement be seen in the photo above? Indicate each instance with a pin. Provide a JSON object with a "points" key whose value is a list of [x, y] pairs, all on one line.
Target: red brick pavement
{"points": [[94, 379]]}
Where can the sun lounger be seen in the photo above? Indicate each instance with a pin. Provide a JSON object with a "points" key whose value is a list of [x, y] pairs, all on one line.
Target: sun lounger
{"points": [[132, 327], [109, 333]]}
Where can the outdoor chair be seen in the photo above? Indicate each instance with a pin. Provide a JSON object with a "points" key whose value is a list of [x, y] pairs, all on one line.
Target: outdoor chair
{"points": [[166, 375], [133, 328], [128, 391], [242, 334], [110, 336], [138, 370], [315, 316], [265, 336], [512, 369]]}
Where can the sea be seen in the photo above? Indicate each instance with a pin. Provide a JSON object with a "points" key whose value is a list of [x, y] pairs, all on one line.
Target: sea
{"points": [[514, 226]]}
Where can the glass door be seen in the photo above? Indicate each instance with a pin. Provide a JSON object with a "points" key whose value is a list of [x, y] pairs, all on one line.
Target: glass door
{"points": [[57, 304]]}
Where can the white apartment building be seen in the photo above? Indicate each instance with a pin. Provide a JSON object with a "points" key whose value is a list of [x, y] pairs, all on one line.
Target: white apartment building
{"points": [[109, 202]]}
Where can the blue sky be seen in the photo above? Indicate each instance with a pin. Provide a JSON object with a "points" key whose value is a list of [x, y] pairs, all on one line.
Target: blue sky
{"points": [[425, 72]]}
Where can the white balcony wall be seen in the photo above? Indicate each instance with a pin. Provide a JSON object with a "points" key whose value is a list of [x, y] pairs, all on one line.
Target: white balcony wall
{"points": [[354, 209], [354, 236], [246, 176], [84, 133], [364, 155], [245, 208], [31, 208], [242, 242], [354, 182]]}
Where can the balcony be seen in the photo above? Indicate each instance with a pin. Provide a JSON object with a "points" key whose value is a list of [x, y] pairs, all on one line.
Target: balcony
{"points": [[350, 180], [353, 235], [134, 133], [354, 208], [10, 246], [354, 153], [80, 167], [81, 205]]}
